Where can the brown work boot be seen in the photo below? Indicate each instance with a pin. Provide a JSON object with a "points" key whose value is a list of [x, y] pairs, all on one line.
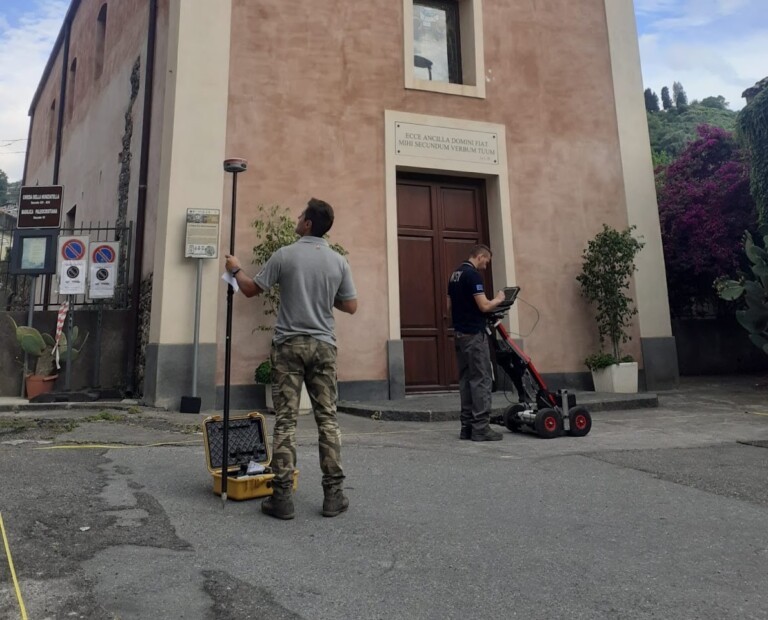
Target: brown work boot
{"points": [[279, 505], [335, 502], [488, 434]]}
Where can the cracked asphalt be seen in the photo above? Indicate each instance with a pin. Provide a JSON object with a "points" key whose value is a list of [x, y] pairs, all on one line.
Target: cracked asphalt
{"points": [[658, 513]]}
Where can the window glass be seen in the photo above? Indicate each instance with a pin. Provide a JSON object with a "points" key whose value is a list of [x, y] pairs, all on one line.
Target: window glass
{"points": [[436, 41]]}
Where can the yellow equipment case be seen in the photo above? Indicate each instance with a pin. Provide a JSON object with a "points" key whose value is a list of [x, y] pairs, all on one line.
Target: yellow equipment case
{"points": [[247, 442]]}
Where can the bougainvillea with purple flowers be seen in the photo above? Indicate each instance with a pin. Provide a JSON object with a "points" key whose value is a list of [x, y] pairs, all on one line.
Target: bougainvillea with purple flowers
{"points": [[704, 208]]}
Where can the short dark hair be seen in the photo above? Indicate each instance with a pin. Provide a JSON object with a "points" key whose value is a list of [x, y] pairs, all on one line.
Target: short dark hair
{"points": [[320, 213], [479, 249]]}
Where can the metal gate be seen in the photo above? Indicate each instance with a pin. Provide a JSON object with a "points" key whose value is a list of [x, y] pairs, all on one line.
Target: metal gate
{"points": [[15, 289]]}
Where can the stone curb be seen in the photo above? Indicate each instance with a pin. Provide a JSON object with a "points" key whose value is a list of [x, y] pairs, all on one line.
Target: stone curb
{"points": [[119, 406], [402, 413]]}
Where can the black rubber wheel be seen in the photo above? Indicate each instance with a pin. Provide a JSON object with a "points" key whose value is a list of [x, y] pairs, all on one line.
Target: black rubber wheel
{"points": [[549, 423], [580, 421], [510, 418]]}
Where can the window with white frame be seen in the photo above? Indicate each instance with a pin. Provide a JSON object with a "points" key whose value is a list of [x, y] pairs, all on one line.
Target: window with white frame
{"points": [[444, 46]]}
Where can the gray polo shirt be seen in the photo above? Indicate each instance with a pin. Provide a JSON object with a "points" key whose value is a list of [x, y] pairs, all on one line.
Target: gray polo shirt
{"points": [[311, 277]]}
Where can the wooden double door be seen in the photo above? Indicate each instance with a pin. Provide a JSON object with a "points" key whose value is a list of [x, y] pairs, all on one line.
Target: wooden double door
{"points": [[439, 219]]}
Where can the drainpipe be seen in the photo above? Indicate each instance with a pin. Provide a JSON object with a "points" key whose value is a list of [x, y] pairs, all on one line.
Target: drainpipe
{"points": [[62, 100], [146, 134], [29, 146]]}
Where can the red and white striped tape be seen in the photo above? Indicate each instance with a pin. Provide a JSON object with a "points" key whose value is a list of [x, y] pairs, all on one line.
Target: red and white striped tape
{"points": [[60, 320]]}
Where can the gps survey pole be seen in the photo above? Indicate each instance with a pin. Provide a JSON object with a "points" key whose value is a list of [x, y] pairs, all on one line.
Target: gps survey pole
{"points": [[235, 166]]}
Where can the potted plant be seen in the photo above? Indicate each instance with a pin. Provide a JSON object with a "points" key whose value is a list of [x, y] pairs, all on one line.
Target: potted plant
{"points": [[263, 376], [607, 268], [275, 229], [41, 346]]}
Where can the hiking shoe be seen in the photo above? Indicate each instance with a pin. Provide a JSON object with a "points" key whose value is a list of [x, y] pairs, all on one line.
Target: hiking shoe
{"points": [[335, 502], [280, 507], [487, 435], [466, 432]]}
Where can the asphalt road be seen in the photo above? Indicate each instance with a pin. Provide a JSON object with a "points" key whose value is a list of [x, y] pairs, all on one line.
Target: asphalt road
{"points": [[658, 513]]}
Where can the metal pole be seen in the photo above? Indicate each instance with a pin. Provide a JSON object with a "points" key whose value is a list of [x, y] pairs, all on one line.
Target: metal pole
{"points": [[97, 366], [228, 350], [235, 166], [70, 322], [197, 327], [30, 317]]}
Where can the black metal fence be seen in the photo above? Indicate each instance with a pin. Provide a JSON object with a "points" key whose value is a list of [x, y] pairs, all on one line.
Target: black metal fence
{"points": [[15, 289]]}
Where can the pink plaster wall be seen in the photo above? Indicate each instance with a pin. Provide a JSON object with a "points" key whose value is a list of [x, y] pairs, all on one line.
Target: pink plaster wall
{"points": [[308, 90]]}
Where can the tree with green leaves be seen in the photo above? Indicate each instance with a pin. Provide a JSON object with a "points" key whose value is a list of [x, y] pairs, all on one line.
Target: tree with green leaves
{"points": [[608, 263], [666, 100], [718, 103], [651, 101], [678, 93], [671, 132], [3, 188]]}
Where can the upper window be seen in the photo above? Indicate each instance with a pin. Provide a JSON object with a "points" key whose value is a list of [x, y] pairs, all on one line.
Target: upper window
{"points": [[71, 89], [443, 46], [101, 36], [52, 123], [436, 47]]}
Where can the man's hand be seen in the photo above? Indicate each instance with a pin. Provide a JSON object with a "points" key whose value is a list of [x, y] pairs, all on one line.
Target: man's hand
{"points": [[232, 262], [248, 287], [488, 305]]}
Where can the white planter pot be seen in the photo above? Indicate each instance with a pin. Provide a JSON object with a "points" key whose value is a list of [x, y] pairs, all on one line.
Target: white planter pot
{"points": [[305, 405], [618, 378]]}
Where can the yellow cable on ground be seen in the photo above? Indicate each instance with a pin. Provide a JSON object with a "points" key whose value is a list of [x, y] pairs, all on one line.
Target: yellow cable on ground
{"points": [[113, 446], [118, 446], [13, 571]]}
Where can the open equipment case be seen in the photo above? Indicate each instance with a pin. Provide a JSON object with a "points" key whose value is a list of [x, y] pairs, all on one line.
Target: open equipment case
{"points": [[247, 442]]}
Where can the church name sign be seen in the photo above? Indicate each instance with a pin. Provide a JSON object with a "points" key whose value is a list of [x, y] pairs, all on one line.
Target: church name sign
{"points": [[413, 140]]}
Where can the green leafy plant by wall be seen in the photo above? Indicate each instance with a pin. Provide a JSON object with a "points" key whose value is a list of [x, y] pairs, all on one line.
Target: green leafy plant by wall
{"points": [[754, 318], [753, 291], [608, 263], [752, 125]]}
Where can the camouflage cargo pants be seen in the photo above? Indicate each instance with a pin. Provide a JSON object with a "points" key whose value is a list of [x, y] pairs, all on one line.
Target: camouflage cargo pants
{"points": [[304, 359]]}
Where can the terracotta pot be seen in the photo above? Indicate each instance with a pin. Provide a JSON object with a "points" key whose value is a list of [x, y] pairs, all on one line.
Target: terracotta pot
{"points": [[38, 384]]}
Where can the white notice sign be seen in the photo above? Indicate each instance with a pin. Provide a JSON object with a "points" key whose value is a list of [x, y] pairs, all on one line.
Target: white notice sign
{"points": [[102, 271], [101, 282], [478, 147], [202, 239]]}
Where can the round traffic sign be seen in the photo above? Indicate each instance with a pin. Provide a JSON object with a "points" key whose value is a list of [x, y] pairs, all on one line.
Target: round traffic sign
{"points": [[73, 249], [103, 254]]}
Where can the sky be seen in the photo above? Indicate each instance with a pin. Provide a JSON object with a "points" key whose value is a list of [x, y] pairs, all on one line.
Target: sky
{"points": [[712, 47]]}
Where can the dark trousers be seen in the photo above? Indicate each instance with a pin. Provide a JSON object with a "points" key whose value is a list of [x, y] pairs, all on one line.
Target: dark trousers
{"points": [[475, 379]]}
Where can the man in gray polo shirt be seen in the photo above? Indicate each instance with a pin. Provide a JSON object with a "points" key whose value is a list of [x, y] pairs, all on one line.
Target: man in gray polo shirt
{"points": [[313, 281]]}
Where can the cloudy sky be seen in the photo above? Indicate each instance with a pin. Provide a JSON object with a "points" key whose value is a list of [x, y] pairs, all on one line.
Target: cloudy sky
{"points": [[713, 47]]}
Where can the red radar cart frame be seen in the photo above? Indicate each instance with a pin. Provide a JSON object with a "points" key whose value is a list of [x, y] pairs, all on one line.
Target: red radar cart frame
{"points": [[545, 413]]}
